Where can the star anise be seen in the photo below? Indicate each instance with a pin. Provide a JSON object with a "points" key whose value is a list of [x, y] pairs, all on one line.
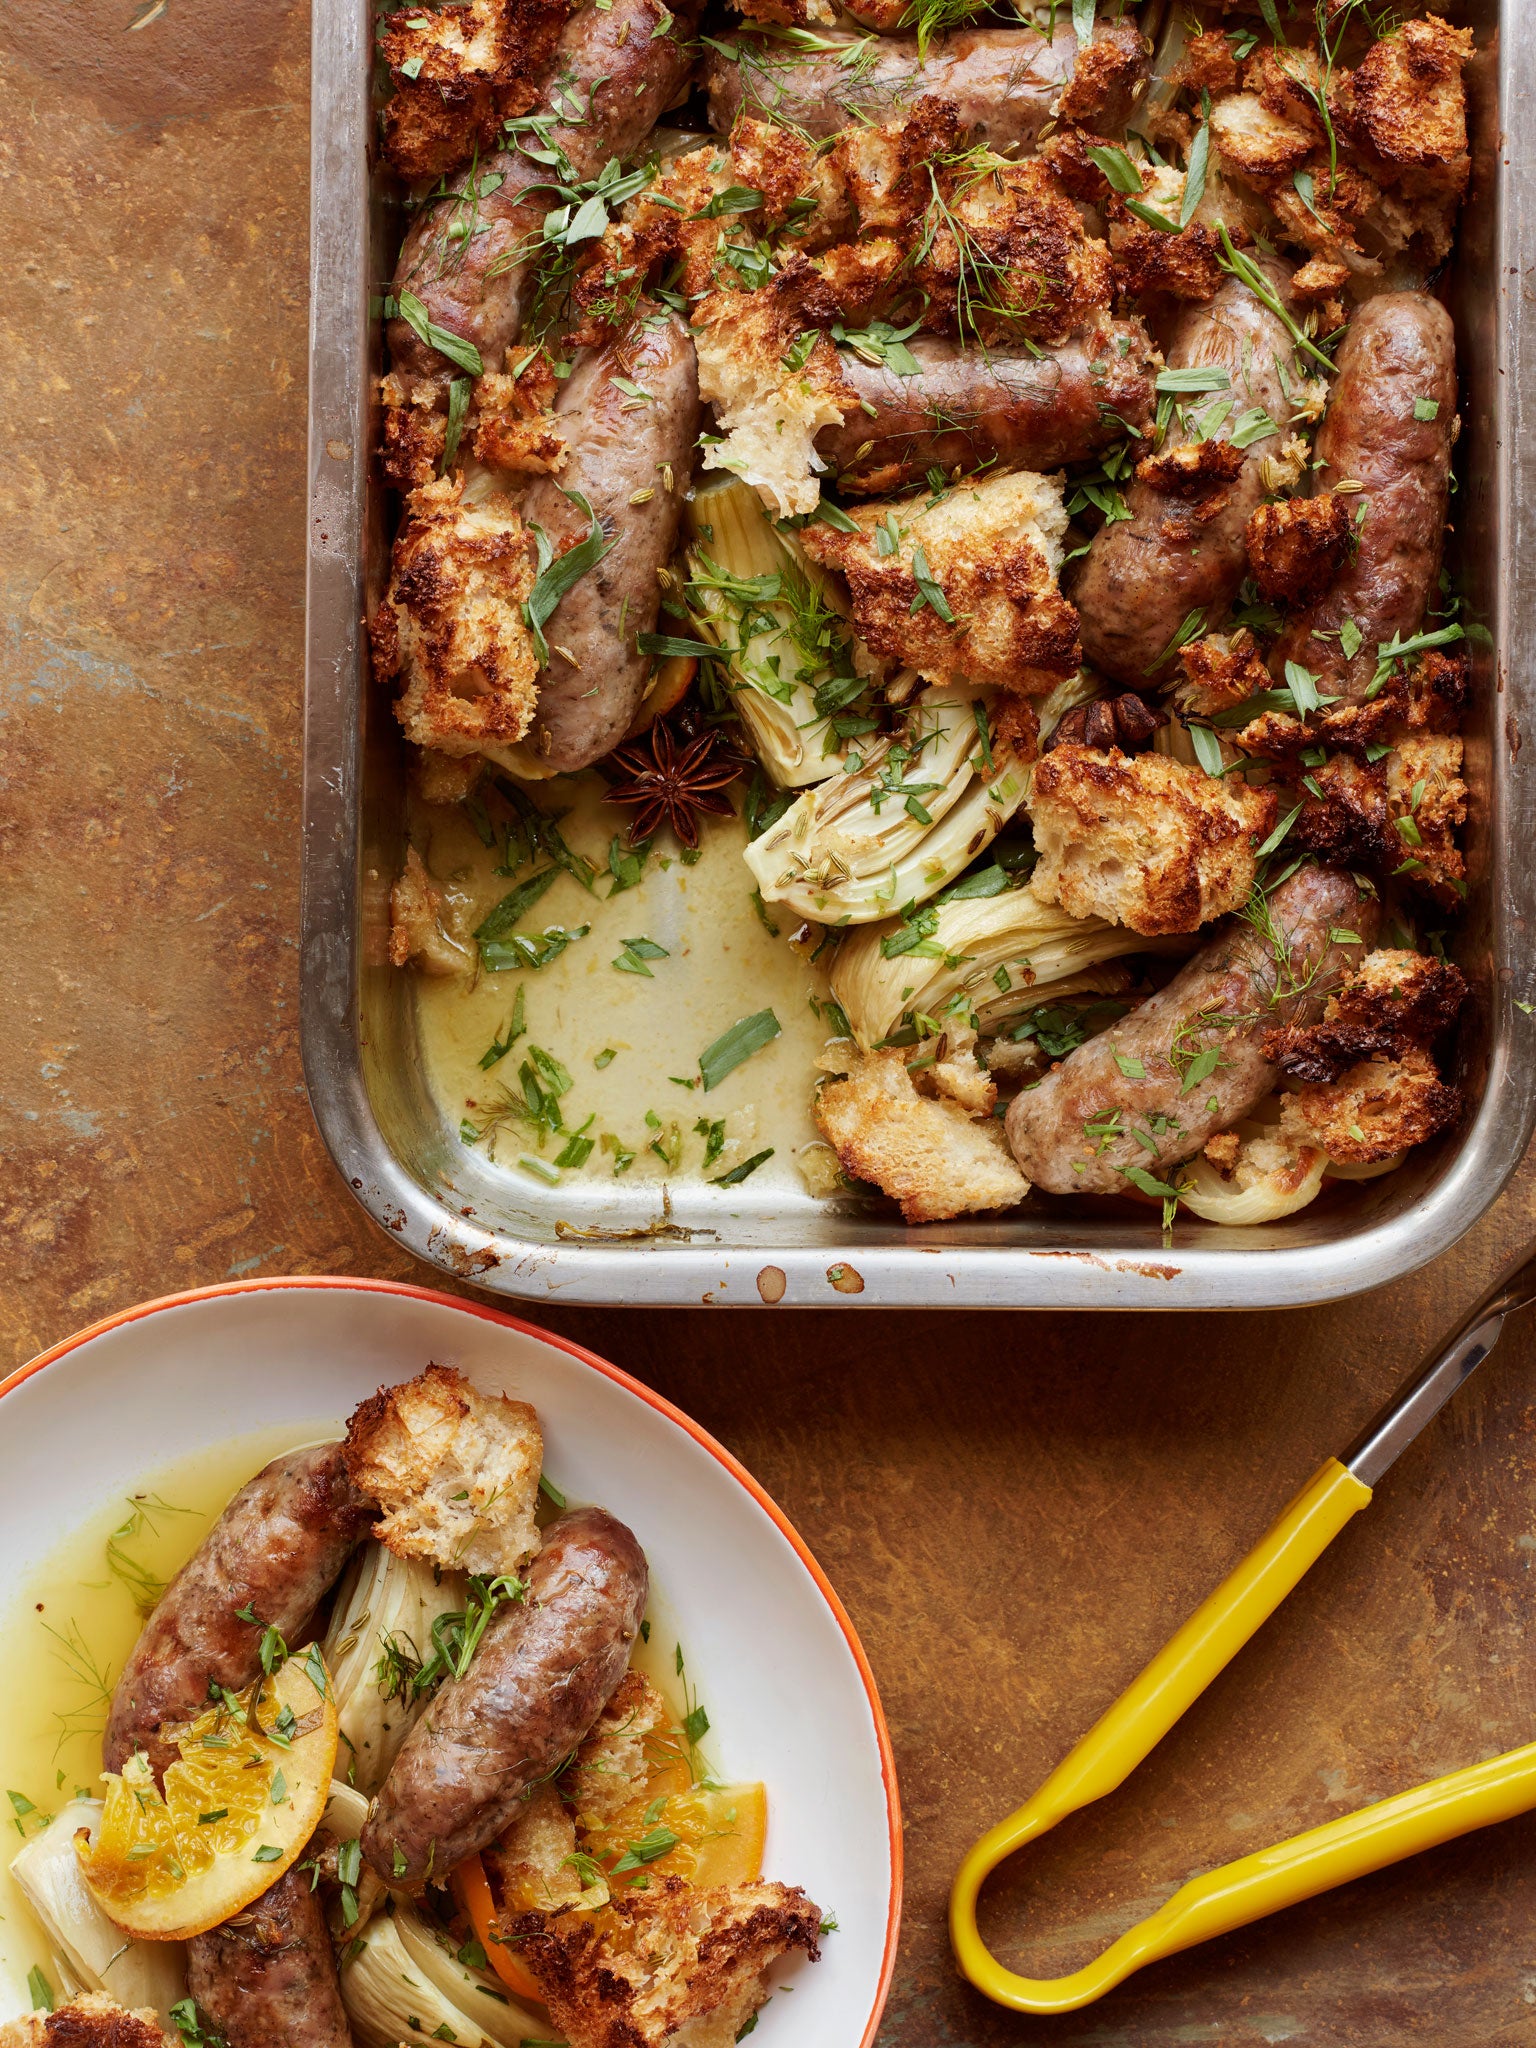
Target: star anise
{"points": [[671, 784]]}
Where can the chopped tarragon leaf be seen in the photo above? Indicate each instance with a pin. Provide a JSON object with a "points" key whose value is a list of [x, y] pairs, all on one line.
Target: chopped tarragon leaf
{"points": [[1198, 377], [458, 407], [1253, 425], [636, 952], [551, 1492], [560, 573], [443, 339], [1426, 408], [39, 1990], [928, 592], [743, 1039], [1351, 639], [1207, 749], [1117, 167], [514, 905], [268, 1853], [1194, 175], [656, 1843], [1190, 628], [738, 1174], [713, 1134], [1130, 1066], [507, 1037], [696, 1725]]}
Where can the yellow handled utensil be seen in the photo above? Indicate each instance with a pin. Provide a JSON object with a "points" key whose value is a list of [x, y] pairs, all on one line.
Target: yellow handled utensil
{"points": [[1307, 1864]]}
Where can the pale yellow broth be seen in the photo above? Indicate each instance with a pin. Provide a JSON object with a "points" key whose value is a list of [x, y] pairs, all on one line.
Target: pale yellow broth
{"points": [[722, 965]]}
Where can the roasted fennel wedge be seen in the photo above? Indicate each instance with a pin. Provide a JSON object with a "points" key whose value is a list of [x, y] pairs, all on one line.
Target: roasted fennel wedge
{"points": [[901, 821], [983, 959], [790, 666]]}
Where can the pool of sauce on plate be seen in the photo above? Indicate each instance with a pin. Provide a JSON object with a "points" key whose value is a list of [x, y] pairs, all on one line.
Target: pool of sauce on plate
{"points": [[722, 965], [70, 1624]]}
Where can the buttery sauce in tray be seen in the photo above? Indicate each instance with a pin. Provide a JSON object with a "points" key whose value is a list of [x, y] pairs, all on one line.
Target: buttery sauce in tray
{"points": [[669, 967]]}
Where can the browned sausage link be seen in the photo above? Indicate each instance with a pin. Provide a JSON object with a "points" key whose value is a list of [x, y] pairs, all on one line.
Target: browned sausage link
{"points": [[1005, 82], [1246, 981], [277, 1550], [267, 1978], [1021, 409], [469, 259], [622, 447], [1180, 554], [543, 1673], [1396, 362]]}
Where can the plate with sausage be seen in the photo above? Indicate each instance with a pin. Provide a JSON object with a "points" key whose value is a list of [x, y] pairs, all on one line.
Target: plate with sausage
{"points": [[417, 1676], [919, 613]]}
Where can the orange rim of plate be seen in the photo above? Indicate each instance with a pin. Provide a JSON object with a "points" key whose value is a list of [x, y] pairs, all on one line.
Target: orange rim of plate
{"points": [[701, 1437]]}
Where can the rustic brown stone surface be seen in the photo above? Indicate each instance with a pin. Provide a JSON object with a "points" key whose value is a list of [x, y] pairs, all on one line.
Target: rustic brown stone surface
{"points": [[1017, 1509]]}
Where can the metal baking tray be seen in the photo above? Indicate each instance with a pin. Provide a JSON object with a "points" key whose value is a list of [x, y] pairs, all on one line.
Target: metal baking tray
{"points": [[397, 1149]]}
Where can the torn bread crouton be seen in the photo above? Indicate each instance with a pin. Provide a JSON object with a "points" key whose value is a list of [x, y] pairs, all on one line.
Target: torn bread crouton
{"points": [[513, 425], [1297, 547], [930, 1156], [1393, 1000], [456, 73], [1374, 1110], [610, 1770], [666, 1967], [1428, 801], [1407, 102], [444, 778], [452, 626], [532, 1866], [455, 1471], [418, 933], [769, 403], [964, 584], [1142, 840], [90, 2020]]}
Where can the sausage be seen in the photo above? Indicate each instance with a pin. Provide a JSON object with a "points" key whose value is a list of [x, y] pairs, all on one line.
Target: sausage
{"points": [[1005, 81], [1178, 554], [277, 1549], [267, 1978], [1232, 992], [611, 82], [620, 445], [1023, 409], [1400, 348], [544, 1671]]}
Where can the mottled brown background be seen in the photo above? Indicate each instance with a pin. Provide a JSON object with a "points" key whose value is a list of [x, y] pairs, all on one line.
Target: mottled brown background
{"points": [[1017, 1509]]}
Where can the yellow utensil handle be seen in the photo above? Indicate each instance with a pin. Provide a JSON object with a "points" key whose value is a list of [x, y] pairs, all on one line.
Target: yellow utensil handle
{"points": [[1142, 1716]]}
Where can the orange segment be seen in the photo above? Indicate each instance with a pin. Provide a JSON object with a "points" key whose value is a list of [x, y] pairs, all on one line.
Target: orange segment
{"points": [[473, 1892], [238, 1808]]}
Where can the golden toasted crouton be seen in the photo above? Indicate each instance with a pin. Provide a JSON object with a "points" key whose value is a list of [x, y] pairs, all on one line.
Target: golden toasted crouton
{"points": [[416, 929], [609, 1771], [788, 171], [962, 1079], [1407, 101], [962, 585], [455, 1471], [1255, 142], [452, 624], [1374, 1110], [928, 1155], [1107, 75], [1297, 547], [1317, 279], [444, 778], [1209, 63], [90, 2020], [770, 413], [1183, 266], [1428, 800], [666, 1967], [1220, 671], [1142, 840], [1197, 470], [532, 1864], [1223, 1151], [1394, 1000], [412, 445], [513, 422], [457, 72]]}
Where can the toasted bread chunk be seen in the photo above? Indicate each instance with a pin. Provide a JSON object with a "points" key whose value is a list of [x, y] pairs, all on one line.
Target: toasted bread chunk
{"points": [[930, 1156], [532, 1866], [416, 930], [455, 1471], [989, 552], [609, 1772], [667, 1967], [90, 2021], [1395, 999], [1374, 1110], [1142, 840], [452, 624], [1298, 546]]}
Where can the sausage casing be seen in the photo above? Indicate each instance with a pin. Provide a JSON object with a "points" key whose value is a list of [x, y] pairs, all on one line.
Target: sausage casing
{"points": [[1397, 362], [267, 1978], [1005, 82], [621, 447], [1022, 409], [613, 76], [1077, 1131], [543, 1673], [1174, 556], [276, 1551]]}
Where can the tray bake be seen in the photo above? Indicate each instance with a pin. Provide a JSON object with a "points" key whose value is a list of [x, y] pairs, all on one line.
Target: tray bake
{"points": [[401, 1153]]}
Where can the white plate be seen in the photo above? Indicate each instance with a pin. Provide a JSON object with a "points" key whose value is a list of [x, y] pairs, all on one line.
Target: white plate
{"points": [[789, 1691]]}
